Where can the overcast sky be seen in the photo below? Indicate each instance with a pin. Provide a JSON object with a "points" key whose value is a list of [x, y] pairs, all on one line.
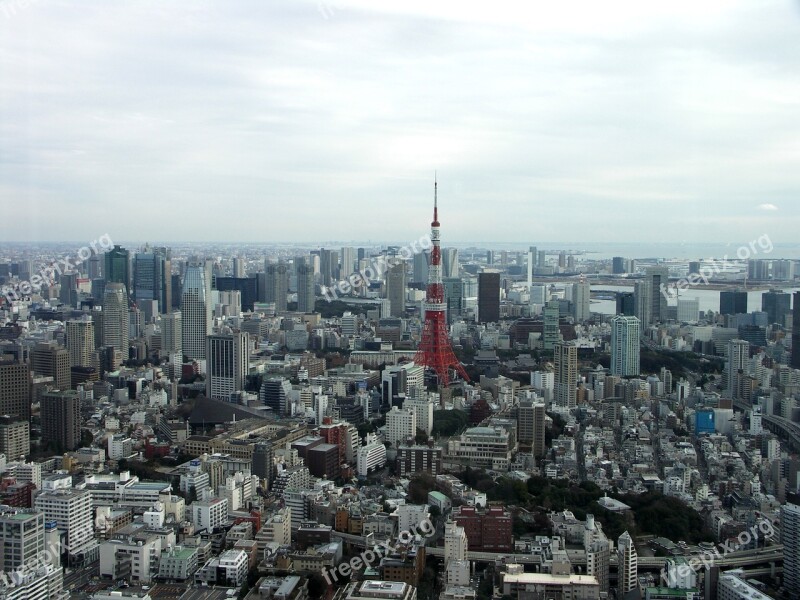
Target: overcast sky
{"points": [[298, 120]]}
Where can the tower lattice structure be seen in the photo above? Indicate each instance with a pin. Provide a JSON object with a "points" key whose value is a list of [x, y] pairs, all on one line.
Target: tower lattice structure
{"points": [[435, 351]]}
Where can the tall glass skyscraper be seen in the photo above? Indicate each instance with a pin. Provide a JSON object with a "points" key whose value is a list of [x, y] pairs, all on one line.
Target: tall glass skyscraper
{"points": [[195, 311]]}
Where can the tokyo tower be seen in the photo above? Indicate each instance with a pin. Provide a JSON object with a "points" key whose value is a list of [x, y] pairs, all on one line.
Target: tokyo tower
{"points": [[434, 350]]}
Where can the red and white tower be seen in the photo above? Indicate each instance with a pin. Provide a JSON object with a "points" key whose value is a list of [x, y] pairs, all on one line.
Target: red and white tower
{"points": [[434, 350]]}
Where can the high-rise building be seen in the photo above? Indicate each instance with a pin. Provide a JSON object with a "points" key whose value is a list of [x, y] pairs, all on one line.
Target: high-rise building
{"points": [[61, 419], [565, 360], [420, 275], [68, 294], [15, 438], [80, 342], [733, 302], [627, 564], [328, 266], [688, 310], [401, 424], [71, 510], [454, 298], [625, 346], [643, 302], [777, 304], [551, 332], [790, 538], [15, 388], [239, 268], [532, 258], [277, 285], [347, 264], [48, 359], [195, 312], [456, 563], [305, 287], [275, 394], [152, 277], [626, 304], [489, 297], [581, 296], [618, 265], [738, 355], [396, 289], [172, 333], [117, 266], [450, 263], [658, 277], [116, 319], [795, 358], [227, 363], [531, 425], [22, 539]]}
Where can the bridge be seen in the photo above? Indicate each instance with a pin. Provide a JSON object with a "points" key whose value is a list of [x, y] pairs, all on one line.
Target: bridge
{"points": [[789, 430]]}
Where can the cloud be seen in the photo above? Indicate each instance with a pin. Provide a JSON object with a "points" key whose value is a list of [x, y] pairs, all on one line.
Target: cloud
{"points": [[767, 206]]}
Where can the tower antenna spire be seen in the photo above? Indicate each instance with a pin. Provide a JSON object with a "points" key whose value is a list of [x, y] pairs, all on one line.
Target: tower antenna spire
{"points": [[435, 200]]}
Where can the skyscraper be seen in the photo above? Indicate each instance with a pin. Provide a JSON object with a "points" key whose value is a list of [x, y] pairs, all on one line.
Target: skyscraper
{"points": [[531, 425], [420, 274], [48, 359], [396, 288], [795, 360], [777, 304], [450, 264], [305, 287], [658, 277], [152, 277], [626, 304], [80, 342], [277, 285], [532, 257], [738, 355], [116, 320], [565, 360], [68, 294], [551, 332], [625, 350], [453, 297], [195, 312], [328, 266], [627, 564], [61, 419], [15, 388], [117, 266], [618, 265], [275, 394], [688, 310], [790, 538], [347, 264], [227, 363], [733, 302], [172, 333], [489, 297], [581, 295], [643, 302]]}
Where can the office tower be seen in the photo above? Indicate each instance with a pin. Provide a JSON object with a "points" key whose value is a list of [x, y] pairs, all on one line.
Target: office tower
{"points": [[94, 267], [263, 462], [401, 424], [434, 351], [777, 304], [618, 265], [239, 271], [562, 260], [48, 359], [328, 266], [80, 342], [396, 289], [450, 264], [795, 358], [117, 266], [247, 287], [627, 564], [22, 541], [738, 355], [454, 298], [177, 290], [61, 419], [152, 277], [305, 288], [733, 302], [626, 304], [456, 564], [421, 260], [658, 277], [172, 334], [15, 388], [530, 425], [542, 260], [71, 510], [15, 438], [68, 294], [275, 394], [790, 538], [625, 349], [195, 312], [116, 319], [488, 297], [758, 269], [551, 332], [347, 262], [532, 256], [688, 310], [277, 285], [643, 302], [490, 257], [581, 295], [227, 364], [565, 360]]}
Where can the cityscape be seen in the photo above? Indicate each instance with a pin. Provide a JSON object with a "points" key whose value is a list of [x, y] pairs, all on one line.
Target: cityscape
{"points": [[356, 300]]}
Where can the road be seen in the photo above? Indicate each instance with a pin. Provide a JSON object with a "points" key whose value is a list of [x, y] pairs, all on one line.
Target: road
{"points": [[81, 577]]}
